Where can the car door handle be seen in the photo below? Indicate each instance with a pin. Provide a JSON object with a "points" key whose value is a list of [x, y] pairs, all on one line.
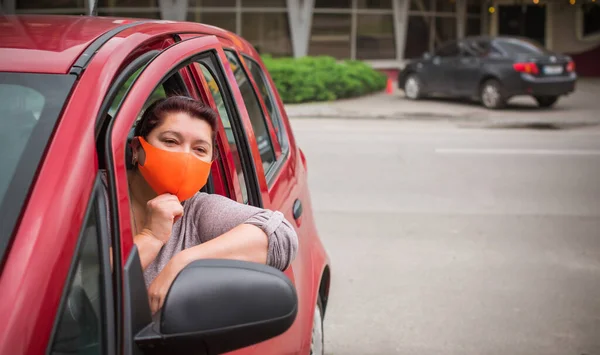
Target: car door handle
{"points": [[297, 209]]}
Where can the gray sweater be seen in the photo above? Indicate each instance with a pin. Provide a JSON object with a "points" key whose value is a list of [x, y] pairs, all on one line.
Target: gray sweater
{"points": [[207, 216]]}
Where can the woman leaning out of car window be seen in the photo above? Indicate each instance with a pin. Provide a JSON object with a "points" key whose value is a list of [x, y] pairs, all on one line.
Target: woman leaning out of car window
{"points": [[173, 223]]}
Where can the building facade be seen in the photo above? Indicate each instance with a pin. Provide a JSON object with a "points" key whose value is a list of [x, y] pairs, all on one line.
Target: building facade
{"points": [[382, 32]]}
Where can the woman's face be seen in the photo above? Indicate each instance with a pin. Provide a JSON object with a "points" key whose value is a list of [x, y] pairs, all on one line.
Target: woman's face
{"points": [[180, 132]]}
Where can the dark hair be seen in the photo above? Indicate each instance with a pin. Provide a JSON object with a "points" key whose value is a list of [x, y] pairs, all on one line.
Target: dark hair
{"points": [[158, 110]]}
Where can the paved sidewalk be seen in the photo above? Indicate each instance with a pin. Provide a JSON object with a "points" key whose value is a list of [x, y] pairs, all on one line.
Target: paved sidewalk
{"points": [[581, 108]]}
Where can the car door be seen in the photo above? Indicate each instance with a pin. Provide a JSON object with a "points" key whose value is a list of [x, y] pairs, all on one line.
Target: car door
{"points": [[443, 65], [467, 70]]}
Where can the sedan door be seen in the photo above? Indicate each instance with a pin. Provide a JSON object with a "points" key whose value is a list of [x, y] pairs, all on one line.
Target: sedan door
{"points": [[467, 70], [442, 69]]}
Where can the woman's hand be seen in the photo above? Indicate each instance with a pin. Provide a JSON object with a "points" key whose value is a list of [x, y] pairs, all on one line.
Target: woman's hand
{"points": [[160, 286], [161, 212]]}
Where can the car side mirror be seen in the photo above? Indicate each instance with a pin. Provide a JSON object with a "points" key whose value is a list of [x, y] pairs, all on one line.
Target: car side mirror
{"points": [[427, 56], [217, 306]]}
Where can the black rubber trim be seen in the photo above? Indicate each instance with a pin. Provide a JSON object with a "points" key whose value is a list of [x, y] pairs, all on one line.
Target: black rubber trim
{"points": [[87, 55], [252, 185]]}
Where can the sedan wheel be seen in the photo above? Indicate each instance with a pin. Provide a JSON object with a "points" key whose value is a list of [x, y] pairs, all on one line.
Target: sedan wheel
{"points": [[317, 342], [491, 95], [412, 87]]}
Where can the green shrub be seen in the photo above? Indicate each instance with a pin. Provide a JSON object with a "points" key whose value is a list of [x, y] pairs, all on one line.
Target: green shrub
{"points": [[322, 78]]}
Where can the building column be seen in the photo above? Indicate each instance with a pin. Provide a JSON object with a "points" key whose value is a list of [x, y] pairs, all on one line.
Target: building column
{"points": [[400, 8], [300, 19], [9, 7], [173, 10], [461, 18]]}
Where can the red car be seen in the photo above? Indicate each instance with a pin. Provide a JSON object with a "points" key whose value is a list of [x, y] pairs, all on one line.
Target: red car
{"points": [[71, 88]]}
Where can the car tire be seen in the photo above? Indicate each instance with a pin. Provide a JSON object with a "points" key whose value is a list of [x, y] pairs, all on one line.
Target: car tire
{"points": [[546, 101], [317, 341], [491, 94], [413, 87]]}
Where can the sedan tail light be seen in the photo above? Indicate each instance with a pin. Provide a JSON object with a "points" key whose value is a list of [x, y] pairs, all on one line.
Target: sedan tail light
{"points": [[530, 68], [571, 67]]}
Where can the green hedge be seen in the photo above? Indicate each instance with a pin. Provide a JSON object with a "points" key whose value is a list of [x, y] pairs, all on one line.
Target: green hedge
{"points": [[322, 78]]}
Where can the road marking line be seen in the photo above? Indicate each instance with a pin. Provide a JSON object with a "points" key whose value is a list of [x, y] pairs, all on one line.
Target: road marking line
{"points": [[477, 151]]}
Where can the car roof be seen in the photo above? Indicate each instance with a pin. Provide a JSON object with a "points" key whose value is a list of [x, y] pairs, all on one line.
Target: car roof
{"points": [[52, 44], [49, 44]]}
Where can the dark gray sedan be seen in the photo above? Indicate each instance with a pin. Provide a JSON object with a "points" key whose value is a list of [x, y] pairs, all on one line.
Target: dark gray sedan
{"points": [[491, 70]]}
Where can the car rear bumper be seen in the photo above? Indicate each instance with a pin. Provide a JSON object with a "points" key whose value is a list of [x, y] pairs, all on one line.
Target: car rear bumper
{"points": [[548, 86]]}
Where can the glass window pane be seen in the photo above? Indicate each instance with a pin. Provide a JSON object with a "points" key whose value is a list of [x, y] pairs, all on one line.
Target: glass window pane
{"points": [[375, 37], [257, 118], [269, 33], [591, 19], [80, 326], [417, 42], [127, 3], [265, 3], [266, 92], [445, 5], [49, 4], [374, 4], [212, 3], [330, 35], [474, 6], [224, 20], [473, 26], [134, 14], [215, 90], [420, 5], [334, 4], [445, 30]]}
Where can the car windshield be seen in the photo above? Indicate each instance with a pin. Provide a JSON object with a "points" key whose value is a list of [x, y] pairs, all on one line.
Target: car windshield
{"points": [[29, 108], [521, 46]]}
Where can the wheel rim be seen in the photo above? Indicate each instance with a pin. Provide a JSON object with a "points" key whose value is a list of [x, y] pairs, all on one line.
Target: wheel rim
{"points": [[316, 342], [411, 88], [490, 95]]}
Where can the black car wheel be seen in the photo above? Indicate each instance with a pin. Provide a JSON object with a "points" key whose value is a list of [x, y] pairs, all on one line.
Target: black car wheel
{"points": [[546, 101], [491, 94], [317, 342], [413, 89]]}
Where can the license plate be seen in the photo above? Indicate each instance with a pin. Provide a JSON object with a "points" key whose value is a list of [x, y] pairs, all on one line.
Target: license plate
{"points": [[553, 69]]}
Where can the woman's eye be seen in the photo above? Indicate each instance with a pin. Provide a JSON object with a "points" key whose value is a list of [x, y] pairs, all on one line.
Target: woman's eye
{"points": [[170, 141], [201, 150]]}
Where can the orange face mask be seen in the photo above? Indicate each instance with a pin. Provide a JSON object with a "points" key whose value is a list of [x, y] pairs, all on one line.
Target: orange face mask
{"points": [[180, 174]]}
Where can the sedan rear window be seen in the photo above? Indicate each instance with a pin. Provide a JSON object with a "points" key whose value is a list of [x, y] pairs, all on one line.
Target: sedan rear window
{"points": [[521, 46], [29, 108]]}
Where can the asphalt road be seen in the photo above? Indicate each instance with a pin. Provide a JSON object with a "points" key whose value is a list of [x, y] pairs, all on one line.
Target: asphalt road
{"points": [[457, 241]]}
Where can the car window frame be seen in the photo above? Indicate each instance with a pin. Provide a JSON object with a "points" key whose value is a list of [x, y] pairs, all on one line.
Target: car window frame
{"points": [[454, 43], [280, 160], [277, 152], [97, 205]]}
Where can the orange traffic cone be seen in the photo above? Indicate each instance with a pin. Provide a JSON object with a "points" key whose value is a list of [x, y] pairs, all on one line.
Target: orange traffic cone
{"points": [[389, 89]]}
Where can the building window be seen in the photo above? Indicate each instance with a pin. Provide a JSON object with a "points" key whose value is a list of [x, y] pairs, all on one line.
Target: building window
{"points": [[374, 4], [417, 40], [591, 19], [474, 6], [49, 4], [445, 30], [421, 5], [333, 4], [375, 37], [330, 35], [265, 3], [211, 3], [269, 33], [224, 20], [140, 13], [445, 5], [473, 26], [127, 3]]}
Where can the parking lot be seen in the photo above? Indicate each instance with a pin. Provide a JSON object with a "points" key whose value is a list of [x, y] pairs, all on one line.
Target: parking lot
{"points": [[458, 236]]}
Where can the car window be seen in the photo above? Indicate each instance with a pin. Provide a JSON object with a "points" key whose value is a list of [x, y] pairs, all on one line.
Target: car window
{"points": [[448, 50], [257, 118], [217, 95], [30, 105], [158, 93], [268, 96], [80, 326], [520, 46]]}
